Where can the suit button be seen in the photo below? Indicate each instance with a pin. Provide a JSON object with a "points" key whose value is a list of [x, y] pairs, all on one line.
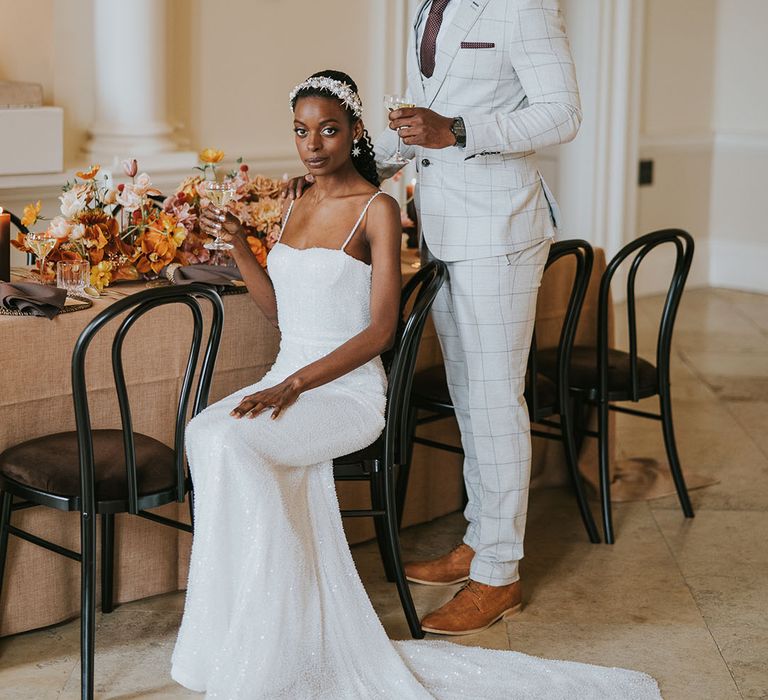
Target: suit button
{"points": [[426, 162]]}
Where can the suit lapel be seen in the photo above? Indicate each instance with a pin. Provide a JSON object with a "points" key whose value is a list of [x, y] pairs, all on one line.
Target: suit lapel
{"points": [[414, 72], [450, 44]]}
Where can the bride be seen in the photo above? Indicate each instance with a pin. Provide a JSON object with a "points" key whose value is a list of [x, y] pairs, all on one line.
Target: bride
{"points": [[275, 607]]}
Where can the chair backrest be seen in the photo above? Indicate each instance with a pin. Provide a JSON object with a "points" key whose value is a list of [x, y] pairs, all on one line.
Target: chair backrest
{"points": [[638, 250], [583, 256], [134, 307], [418, 295]]}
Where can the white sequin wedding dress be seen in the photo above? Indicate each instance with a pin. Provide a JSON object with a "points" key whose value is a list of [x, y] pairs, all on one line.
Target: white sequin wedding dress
{"points": [[275, 607]]}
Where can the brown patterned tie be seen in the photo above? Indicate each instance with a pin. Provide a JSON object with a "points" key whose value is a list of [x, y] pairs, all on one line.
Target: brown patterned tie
{"points": [[429, 40]]}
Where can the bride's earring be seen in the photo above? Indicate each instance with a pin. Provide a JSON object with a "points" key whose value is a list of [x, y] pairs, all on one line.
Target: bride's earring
{"points": [[356, 150]]}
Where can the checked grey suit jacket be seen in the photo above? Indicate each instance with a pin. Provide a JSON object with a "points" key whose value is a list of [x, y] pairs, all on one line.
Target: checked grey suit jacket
{"points": [[505, 66]]}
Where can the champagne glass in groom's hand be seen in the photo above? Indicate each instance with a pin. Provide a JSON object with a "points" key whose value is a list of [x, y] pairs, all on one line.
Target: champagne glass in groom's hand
{"points": [[392, 103]]}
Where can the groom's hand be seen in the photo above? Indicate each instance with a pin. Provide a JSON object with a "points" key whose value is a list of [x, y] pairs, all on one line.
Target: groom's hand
{"points": [[422, 127], [295, 187]]}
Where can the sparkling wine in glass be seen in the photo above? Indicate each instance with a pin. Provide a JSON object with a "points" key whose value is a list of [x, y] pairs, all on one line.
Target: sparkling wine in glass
{"points": [[41, 243], [393, 102], [221, 194]]}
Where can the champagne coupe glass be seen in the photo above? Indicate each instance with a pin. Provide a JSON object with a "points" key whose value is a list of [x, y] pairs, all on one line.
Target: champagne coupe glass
{"points": [[393, 102], [41, 243], [221, 194]]}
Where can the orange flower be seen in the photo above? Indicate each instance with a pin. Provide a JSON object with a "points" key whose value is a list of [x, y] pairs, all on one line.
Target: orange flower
{"points": [[258, 249], [265, 186], [172, 228], [90, 173], [210, 155], [159, 243], [126, 273], [31, 214]]}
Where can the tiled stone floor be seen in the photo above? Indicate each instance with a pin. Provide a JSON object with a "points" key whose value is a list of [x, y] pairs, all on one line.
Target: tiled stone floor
{"points": [[686, 601]]}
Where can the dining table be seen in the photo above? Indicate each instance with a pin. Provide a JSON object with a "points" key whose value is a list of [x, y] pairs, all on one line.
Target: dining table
{"points": [[42, 588]]}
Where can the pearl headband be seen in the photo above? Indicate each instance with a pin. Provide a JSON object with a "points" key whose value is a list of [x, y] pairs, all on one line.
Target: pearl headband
{"points": [[349, 98]]}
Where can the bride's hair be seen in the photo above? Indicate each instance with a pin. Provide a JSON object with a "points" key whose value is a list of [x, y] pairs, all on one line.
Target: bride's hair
{"points": [[365, 163]]}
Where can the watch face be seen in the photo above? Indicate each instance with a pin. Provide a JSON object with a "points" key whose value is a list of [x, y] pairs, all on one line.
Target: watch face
{"points": [[459, 131]]}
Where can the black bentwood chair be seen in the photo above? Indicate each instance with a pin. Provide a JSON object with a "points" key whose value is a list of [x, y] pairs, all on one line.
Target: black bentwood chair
{"points": [[614, 375], [545, 397], [103, 472], [377, 463]]}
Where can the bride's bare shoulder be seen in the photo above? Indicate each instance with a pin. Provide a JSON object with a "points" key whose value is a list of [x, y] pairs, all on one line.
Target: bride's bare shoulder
{"points": [[384, 216]]}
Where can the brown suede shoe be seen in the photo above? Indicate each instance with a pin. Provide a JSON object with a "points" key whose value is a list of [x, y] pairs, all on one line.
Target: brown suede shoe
{"points": [[446, 570], [475, 608]]}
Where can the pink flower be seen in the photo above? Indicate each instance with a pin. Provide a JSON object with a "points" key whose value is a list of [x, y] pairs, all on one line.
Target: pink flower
{"points": [[143, 184], [129, 198], [130, 167]]}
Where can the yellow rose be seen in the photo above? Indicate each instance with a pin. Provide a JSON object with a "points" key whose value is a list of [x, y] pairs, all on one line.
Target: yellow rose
{"points": [[31, 214], [210, 155], [101, 275]]}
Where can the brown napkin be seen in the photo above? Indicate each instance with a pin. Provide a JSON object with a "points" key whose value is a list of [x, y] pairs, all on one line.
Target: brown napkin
{"points": [[219, 275], [35, 299]]}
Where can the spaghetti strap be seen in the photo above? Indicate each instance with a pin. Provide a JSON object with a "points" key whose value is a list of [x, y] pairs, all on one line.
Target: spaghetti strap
{"points": [[285, 221], [360, 220]]}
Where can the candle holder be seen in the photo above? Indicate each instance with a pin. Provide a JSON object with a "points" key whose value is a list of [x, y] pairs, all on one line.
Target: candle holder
{"points": [[5, 246]]}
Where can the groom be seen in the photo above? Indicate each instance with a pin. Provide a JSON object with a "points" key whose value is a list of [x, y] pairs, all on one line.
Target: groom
{"points": [[493, 81]]}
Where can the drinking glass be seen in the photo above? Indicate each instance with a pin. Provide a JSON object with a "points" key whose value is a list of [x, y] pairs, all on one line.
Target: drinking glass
{"points": [[73, 275], [393, 102], [41, 243], [221, 194]]}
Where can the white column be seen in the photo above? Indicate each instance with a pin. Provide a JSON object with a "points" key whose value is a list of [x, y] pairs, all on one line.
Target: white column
{"points": [[130, 81], [597, 182]]}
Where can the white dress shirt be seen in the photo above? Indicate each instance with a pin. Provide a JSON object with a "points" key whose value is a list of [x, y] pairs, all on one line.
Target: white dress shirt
{"points": [[450, 12]]}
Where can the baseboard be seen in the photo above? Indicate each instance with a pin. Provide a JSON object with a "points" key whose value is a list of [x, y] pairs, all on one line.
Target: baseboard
{"points": [[742, 266]]}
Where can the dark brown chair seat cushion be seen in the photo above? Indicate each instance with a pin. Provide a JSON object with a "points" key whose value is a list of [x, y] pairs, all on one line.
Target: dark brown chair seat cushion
{"points": [[584, 371], [431, 385], [358, 463], [51, 463], [546, 397]]}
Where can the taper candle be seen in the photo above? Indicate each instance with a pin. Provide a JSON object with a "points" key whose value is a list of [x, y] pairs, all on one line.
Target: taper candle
{"points": [[5, 246]]}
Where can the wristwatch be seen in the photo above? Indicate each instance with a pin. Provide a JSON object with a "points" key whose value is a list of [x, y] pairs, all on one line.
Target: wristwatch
{"points": [[459, 131]]}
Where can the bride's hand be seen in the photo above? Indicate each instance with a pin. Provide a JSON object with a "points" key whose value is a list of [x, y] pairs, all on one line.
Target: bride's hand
{"points": [[220, 222], [279, 397]]}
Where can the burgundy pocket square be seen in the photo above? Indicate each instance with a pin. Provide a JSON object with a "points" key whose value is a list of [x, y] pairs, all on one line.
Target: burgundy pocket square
{"points": [[478, 45]]}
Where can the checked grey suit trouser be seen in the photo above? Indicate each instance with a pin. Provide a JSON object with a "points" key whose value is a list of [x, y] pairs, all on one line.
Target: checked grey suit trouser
{"points": [[484, 316]]}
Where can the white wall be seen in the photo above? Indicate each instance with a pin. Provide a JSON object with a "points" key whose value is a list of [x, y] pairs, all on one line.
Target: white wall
{"points": [[705, 125], [739, 234]]}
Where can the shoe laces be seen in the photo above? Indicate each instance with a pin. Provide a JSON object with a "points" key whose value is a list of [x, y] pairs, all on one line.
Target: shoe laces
{"points": [[475, 592]]}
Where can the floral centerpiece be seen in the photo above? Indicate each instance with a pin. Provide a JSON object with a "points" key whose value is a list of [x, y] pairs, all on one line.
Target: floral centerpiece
{"points": [[130, 231], [257, 203]]}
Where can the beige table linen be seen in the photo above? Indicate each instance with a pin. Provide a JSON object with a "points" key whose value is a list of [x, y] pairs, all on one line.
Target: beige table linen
{"points": [[42, 588]]}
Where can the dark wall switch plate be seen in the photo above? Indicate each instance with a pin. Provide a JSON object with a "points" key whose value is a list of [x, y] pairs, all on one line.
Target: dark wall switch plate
{"points": [[646, 172]]}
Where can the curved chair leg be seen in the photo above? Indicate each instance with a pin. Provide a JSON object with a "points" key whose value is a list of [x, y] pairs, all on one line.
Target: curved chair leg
{"points": [[404, 469], [572, 459], [87, 604], [379, 523], [605, 476], [665, 402], [5, 519], [107, 562], [393, 541]]}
